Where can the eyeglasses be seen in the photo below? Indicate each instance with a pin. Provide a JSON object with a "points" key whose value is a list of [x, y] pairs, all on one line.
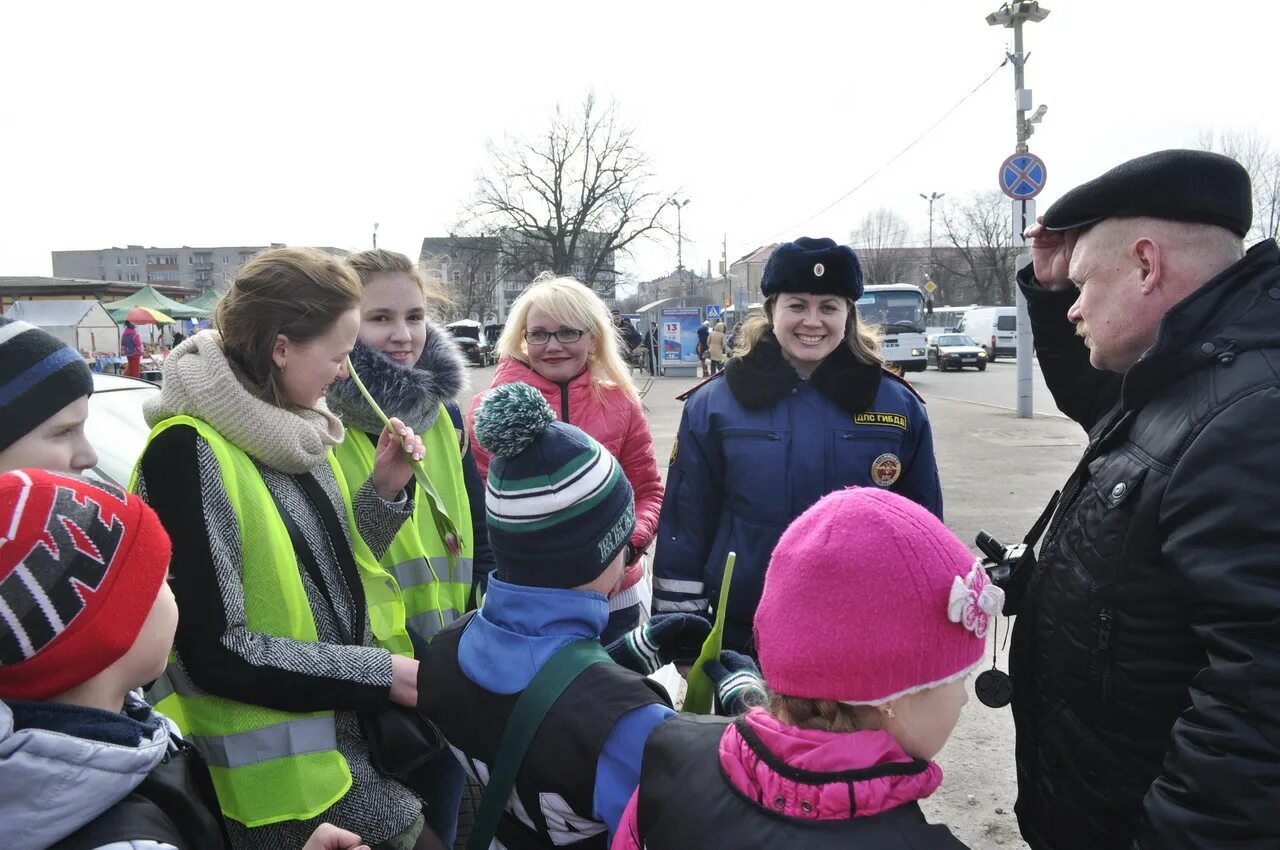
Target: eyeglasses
{"points": [[563, 336]]}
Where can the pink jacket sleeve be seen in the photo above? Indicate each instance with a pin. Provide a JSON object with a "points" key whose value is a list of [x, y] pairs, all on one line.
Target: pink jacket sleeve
{"points": [[641, 469], [627, 836], [478, 451]]}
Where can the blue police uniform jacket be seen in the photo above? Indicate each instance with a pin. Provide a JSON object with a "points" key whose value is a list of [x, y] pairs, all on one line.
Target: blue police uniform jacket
{"points": [[760, 446]]}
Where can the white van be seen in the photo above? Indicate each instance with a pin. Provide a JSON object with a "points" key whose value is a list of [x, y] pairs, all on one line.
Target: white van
{"points": [[993, 328]]}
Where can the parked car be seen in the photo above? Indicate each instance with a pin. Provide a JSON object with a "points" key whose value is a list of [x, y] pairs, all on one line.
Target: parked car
{"points": [[115, 428], [471, 339], [956, 351], [994, 328]]}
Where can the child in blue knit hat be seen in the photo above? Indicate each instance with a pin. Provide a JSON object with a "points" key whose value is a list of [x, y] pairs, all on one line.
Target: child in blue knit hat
{"points": [[559, 513]]}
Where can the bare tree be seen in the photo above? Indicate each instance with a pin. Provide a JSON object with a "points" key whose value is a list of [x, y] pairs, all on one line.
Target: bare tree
{"points": [[1262, 161], [569, 200], [880, 242], [980, 230]]}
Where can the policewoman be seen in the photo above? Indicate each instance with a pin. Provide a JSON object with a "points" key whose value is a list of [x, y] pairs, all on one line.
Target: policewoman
{"points": [[286, 628], [804, 408]]}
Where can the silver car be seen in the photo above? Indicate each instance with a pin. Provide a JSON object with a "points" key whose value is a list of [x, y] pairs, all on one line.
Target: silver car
{"points": [[956, 351], [115, 427]]}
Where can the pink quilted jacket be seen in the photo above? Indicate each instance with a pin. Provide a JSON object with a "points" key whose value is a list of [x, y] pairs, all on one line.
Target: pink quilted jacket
{"points": [[817, 752], [614, 421]]}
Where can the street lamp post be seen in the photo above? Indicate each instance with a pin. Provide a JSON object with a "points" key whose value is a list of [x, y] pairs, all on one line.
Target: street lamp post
{"points": [[1012, 15], [375, 236], [680, 205], [931, 197]]}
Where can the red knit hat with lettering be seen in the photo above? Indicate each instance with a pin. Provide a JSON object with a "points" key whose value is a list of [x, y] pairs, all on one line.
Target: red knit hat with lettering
{"points": [[869, 598], [81, 564]]}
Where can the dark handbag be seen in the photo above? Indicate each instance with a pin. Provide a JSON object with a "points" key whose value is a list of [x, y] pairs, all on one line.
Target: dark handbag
{"points": [[400, 739]]}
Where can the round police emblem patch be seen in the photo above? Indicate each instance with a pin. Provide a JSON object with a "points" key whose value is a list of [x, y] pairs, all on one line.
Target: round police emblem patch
{"points": [[885, 470], [819, 269]]}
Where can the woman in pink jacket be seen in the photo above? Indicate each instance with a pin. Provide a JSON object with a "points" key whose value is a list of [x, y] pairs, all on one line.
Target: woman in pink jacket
{"points": [[559, 339]]}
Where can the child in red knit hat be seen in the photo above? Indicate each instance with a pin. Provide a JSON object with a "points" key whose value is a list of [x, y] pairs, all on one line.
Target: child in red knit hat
{"points": [[85, 619], [858, 706]]}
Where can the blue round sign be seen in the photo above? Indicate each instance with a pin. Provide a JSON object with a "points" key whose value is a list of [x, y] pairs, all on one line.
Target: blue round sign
{"points": [[1022, 176]]}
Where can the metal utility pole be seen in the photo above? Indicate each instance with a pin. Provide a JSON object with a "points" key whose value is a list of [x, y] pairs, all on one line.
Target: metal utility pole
{"points": [[375, 236], [680, 205], [931, 197], [1012, 15]]}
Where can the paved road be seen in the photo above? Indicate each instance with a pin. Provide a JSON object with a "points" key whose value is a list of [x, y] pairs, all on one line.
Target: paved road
{"points": [[997, 473]]}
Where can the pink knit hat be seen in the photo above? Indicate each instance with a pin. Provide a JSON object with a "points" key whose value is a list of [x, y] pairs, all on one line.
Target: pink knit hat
{"points": [[868, 598]]}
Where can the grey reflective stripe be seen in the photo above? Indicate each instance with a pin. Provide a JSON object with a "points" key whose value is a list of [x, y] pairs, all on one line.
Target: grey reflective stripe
{"points": [[665, 605], [174, 681], [426, 624], [281, 740], [675, 586], [417, 571]]}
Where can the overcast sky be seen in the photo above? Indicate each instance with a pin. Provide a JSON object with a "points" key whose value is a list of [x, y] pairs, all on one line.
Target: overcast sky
{"points": [[248, 123]]}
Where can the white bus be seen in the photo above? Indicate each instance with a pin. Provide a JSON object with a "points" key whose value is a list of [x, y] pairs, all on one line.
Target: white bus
{"points": [[945, 319], [898, 308]]}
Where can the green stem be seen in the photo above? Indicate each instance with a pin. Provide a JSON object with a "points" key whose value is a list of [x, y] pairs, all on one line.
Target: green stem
{"points": [[699, 697], [444, 524]]}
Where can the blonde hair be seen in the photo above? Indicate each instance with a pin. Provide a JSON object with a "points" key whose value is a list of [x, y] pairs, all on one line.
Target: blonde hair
{"points": [[368, 264], [719, 327], [862, 339], [297, 292], [573, 305], [825, 715]]}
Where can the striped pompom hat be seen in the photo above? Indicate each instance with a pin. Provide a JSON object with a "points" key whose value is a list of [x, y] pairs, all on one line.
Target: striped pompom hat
{"points": [[558, 507], [39, 376]]}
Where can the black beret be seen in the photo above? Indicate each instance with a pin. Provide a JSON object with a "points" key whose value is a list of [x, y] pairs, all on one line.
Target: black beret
{"points": [[1179, 185], [816, 266]]}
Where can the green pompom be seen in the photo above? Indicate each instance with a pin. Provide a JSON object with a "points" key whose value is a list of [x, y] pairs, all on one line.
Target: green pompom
{"points": [[511, 417]]}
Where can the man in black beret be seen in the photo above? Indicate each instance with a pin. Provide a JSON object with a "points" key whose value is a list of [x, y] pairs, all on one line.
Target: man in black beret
{"points": [[1146, 652]]}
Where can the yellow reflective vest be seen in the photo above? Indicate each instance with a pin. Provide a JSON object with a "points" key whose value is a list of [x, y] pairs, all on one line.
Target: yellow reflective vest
{"points": [[434, 595], [269, 765]]}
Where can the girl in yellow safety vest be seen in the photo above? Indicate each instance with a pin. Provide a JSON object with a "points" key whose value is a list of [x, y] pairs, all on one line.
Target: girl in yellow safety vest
{"points": [[414, 371], [279, 645]]}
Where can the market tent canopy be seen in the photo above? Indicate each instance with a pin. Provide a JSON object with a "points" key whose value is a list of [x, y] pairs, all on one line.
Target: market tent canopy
{"points": [[82, 325], [206, 302], [147, 296]]}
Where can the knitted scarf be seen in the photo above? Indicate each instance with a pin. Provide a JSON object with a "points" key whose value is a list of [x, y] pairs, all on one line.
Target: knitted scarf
{"points": [[200, 381], [412, 393]]}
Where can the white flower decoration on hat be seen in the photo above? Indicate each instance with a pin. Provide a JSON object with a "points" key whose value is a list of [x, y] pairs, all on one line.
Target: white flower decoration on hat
{"points": [[974, 601]]}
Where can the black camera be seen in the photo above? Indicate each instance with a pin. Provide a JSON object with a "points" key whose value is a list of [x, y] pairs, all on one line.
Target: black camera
{"points": [[1010, 567], [1001, 561]]}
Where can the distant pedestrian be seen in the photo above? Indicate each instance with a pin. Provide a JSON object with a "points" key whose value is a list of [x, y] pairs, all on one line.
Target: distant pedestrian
{"points": [[841, 753], [131, 349], [716, 348], [704, 334], [804, 408]]}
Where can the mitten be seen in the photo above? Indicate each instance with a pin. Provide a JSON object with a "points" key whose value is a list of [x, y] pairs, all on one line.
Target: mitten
{"points": [[664, 639], [737, 682]]}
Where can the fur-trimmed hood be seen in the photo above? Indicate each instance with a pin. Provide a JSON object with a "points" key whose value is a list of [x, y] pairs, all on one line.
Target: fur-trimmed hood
{"points": [[413, 394], [763, 377]]}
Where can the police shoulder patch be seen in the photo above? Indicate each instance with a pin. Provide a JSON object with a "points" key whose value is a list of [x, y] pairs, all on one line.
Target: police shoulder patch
{"points": [[875, 417], [675, 450]]}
